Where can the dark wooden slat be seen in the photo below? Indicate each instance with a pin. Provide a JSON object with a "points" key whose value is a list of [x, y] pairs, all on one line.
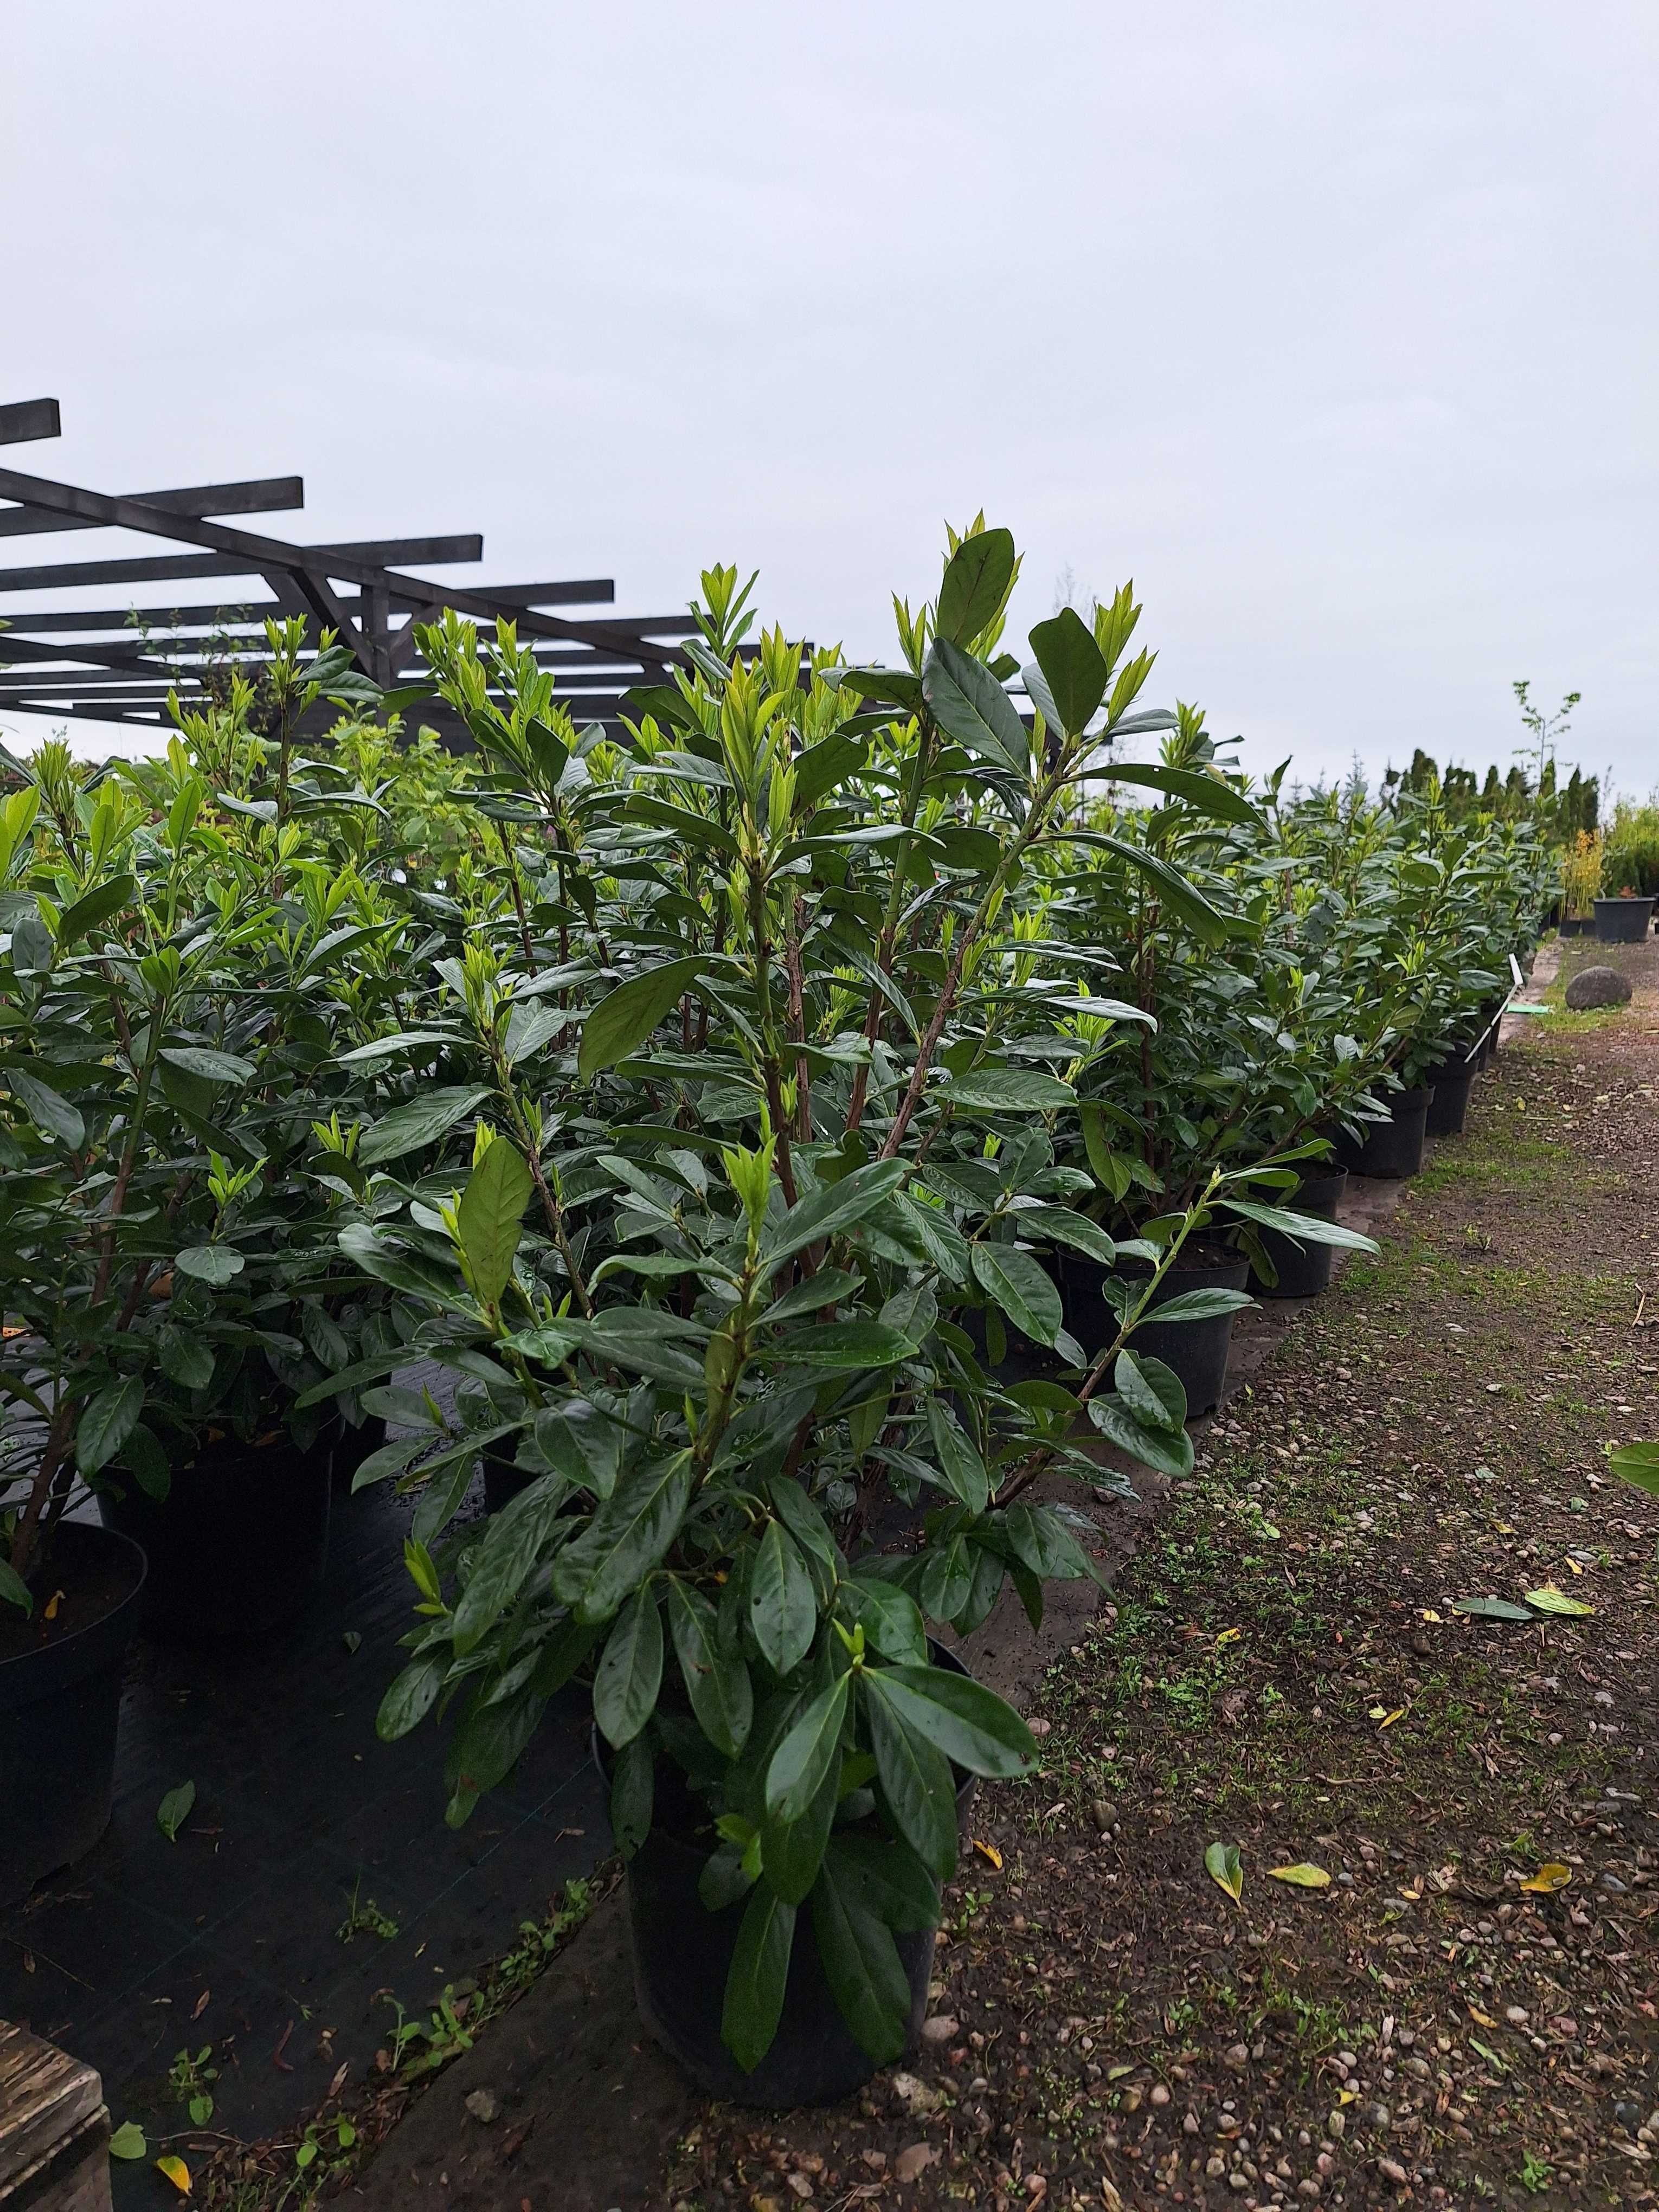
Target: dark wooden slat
{"points": [[178, 568], [22, 420], [258, 495]]}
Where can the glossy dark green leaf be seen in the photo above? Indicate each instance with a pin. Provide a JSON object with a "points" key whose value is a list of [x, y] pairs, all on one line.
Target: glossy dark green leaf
{"points": [[1304, 1228], [1041, 1542], [970, 705], [1199, 1305], [1167, 1452], [861, 1964], [960, 1716], [215, 1264], [793, 1839], [630, 1671], [626, 1538], [92, 909], [758, 1975], [625, 1018], [1073, 667], [848, 1346], [107, 1422], [1061, 1225], [977, 580], [958, 1459], [716, 1680], [1206, 794], [419, 1122], [896, 1884], [1153, 1392], [633, 1788], [1006, 1090], [411, 1696], [833, 1208], [783, 1609], [890, 1617], [57, 1115], [916, 1779], [1021, 1288]]}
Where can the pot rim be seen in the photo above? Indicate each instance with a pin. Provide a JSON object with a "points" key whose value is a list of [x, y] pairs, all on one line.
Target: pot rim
{"points": [[59, 1665]]}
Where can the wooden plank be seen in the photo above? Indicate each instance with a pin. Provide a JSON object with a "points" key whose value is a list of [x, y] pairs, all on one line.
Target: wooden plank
{"points": [[178, 568], [47, 2101], [258, 495], [24, 419]]}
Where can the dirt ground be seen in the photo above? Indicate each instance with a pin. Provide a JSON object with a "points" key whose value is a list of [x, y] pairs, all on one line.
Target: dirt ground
{"points": [[1283, 1671]]}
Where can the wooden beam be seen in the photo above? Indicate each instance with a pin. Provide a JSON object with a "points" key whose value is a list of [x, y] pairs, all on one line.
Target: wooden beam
{"points": [[27, 419], [178, 568], [258, 495]]}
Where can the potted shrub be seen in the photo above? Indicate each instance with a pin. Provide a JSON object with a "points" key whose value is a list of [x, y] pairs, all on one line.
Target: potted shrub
{"points": [[727, 1211]]}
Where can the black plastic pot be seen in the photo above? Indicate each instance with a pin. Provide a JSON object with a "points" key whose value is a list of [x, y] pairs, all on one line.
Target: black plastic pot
{"points": [[1623, 920], [1304, 1270], [680, 1953], [59, 1706], [1196, 1350], [1394, 1147], [1448, 1101], [503, 1481], [348, 1448], [1576, 925], [238, 1544]]}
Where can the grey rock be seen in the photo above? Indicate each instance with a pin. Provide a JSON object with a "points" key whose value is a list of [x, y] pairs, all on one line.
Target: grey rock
{"points": [[1597, 987]]}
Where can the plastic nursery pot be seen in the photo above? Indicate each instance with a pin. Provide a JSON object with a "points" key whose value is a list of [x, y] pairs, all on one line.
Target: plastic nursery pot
{"points": [[1576, 925], [680, 1953], [1623, 920], [1196, 1350], [348, 1448], [60, 1701], [502, 1480], [1448, 1101], [238, 1544], [1304, 1270], [1394, 1147]]}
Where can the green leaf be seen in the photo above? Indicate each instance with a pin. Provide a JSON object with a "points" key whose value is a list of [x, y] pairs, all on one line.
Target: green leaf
{"points": [[107, 1422], [970, 1724], [716, 1681], [1153, 1393], [1021, 1287], [13, 1590], [624, 1017], [491, 1218], [410, 1697], [861, 1963], [846, 1346], [421, 1121], [976, 582], [1072, 666], [1041, 1540], [783, 1609], [215, 1264], [758, 1977], [56, 1115], [1551, 1600], [802, 1760], [1491, 1608], [1304, 1874], [510, 1547], [947, 1579], [1205, 794], [128, 2141], [1305, 1228], [625, 1539], [207, 1066], [1167, 1453], [143, 1457], [1198, 1305], [184, 1360], [1061, 1225], [915, 1780], [970, 705], [1636, 1463], [958, 1458], [633, 1791], [630, 1673], [1184, 899], [891, 1618], [174, 1810], [1223, 1865], [1005, 1090], [897, 1886], [833, 1207]]}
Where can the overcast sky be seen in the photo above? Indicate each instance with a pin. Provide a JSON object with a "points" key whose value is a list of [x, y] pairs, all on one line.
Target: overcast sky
{"points": [[1335, 327]]}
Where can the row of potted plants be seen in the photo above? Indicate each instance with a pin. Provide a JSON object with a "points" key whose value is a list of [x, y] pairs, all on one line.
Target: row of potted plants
{"points": [[783, 1128]]}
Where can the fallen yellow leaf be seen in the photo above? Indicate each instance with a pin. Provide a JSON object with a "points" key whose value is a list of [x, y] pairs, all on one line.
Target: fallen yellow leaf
{"points": [[52, 1604], [176, 2171], [1480, 2019], [1429, 1613], [1574, 1565], [1223, 1865], [989, 1851], [1377, 1712], [1398, 1714], [1502, 1528], [1304, 1874], [1550, 1877], [1347, 2096], [1228, 1635]]}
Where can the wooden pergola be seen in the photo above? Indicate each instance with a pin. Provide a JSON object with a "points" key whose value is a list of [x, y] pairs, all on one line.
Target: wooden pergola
{"points": [[119, 663]]}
